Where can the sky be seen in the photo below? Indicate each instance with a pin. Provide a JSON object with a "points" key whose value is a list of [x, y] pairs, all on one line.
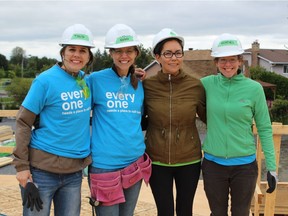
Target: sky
{"points": [[37, 26]]}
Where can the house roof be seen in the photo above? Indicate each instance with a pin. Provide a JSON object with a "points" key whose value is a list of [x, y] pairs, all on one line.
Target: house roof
{"points": [[198, 63], [272, 55], [197, 55], [266, 84]]}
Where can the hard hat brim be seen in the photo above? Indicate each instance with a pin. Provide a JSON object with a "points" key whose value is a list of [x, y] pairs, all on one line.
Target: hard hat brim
{"points": [[225, 54], [126, 44]]}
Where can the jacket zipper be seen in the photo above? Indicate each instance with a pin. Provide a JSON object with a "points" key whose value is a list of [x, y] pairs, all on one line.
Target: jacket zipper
{"points": [[226, 121]]}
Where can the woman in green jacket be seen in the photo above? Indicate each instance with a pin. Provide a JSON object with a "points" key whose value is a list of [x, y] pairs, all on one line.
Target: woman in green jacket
{"points": [[233, 103]]}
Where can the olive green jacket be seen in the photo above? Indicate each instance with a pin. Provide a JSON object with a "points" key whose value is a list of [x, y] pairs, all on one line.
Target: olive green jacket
{"points": [[171, 105]]}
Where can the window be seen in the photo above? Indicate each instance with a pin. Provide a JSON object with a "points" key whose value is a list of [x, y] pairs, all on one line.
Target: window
{"points": [[285, 69]]}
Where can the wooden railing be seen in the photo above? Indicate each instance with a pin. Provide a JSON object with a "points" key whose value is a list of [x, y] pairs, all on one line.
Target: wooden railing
{"points": [[276, 202], [7, 113]]}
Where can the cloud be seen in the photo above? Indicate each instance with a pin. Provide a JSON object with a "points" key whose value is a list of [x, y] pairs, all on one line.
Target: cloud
{"points": [[37, 25]]}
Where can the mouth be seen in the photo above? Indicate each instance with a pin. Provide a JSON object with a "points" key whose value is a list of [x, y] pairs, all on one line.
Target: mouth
{"points": [[124, 61]]}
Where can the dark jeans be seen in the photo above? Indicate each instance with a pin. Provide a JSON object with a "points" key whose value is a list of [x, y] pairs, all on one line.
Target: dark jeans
{"points": [[186, 181], [238, 181]]}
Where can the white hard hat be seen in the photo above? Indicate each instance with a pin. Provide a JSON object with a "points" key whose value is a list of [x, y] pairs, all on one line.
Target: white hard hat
{"points": [[163, 35], [77, 34], [119, 36], [226, 45]]}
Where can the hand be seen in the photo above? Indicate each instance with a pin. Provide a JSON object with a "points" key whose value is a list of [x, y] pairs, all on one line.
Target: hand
{"points": [[272, 180], [31, 197], [140, 73], [23, 177]]}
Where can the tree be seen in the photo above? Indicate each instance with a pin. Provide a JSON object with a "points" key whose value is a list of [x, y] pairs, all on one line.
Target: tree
{"points": [[145, 57], [3, 62], [260, 73], [18, 89], [17, 56]]}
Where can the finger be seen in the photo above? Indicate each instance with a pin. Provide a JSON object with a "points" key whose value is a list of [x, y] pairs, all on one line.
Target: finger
{"points": [[28, 202], [38, 204], [32, 205], [24, 198]]}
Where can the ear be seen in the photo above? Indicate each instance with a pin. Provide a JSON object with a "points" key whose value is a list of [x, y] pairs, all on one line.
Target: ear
{"points": [[157, 57]]}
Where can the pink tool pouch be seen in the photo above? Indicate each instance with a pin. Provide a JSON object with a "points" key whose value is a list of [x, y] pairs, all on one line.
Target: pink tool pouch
{"points": [[141, 169], [107, 188], [145, 165], [130, 175]]}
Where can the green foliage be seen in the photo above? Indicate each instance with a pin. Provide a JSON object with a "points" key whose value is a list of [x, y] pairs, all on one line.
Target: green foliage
{"points": [[3, 62], [259, 73], [279, 111], [10, 74], [101, 60], [18, 89], [2, 73], [145, 57]]}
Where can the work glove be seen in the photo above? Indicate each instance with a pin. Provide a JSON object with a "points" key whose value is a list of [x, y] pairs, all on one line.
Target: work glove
{"points": [[272, 180], [31, 197]]}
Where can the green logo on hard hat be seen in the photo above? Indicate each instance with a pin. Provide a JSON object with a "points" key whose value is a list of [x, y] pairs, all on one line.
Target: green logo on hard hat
{"points": [[228, 43], [124, 38], [80, 37], [173, 33]]}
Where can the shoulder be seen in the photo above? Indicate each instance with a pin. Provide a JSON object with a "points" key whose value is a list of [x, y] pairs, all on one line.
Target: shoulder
{"points": [[208, 79], [252, 83], [100, 73]]}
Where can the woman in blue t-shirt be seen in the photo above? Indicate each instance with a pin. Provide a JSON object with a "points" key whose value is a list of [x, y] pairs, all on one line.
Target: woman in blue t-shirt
{"points": [[49, 158], [117, 147]]}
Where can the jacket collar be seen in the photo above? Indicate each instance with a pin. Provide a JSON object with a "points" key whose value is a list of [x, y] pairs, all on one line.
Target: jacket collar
{"points": [[164, 77], [238, 77]]}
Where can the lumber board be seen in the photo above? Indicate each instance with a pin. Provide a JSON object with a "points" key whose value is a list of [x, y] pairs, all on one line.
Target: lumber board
{"points": [[5, 161], [6, 149], [281, 202]]}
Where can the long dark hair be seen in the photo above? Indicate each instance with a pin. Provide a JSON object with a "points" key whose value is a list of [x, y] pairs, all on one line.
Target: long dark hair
{"points": [[158, 48], [88, 66]]}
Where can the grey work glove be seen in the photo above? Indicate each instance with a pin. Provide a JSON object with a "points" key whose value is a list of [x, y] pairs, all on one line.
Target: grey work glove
{"points": [[272, 180], [31, 197]]}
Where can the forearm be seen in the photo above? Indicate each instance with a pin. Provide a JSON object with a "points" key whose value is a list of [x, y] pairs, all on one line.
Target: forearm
{"points": [[24, 122]]}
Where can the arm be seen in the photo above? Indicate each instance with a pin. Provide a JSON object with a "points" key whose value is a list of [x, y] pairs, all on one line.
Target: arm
{"points": [[201, 108], [24, 122], [265, 132]]}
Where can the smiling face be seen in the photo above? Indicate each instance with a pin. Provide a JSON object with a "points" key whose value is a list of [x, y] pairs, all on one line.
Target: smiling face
{"points": [[229, 65], [75, 58], [123, 58], [171, 64]]}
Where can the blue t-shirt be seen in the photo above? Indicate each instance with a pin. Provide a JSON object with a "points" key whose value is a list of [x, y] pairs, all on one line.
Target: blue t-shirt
{"points": [[64, 114], [117, 138]]}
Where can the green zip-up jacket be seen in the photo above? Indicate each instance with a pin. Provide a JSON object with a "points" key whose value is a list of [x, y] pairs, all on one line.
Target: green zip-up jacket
{"points": [[232, 105], [171, 103]]}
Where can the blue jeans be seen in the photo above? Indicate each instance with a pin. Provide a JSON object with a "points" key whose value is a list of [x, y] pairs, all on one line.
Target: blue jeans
{"points": [[123, 209], [63, 189]]}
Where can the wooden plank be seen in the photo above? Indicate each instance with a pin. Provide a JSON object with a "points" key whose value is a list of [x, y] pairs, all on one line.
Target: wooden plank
{"points": [[5, 161], [281, 203], [277, 129], [8, 113], [6, 149], [270, 199]]}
